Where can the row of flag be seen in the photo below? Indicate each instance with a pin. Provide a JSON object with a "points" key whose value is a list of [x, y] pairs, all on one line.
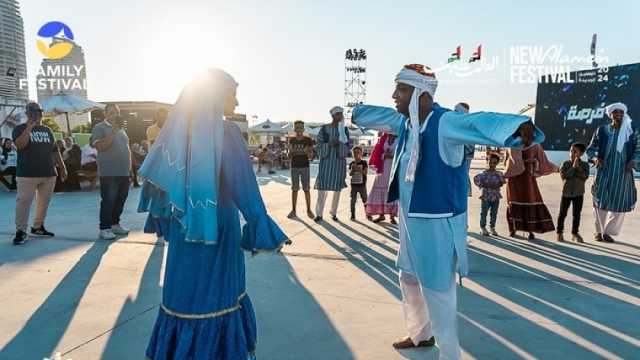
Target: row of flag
{"points": [[457, 55]]}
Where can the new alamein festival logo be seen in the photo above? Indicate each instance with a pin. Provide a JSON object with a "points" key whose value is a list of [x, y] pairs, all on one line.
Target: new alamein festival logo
{"points": [[55, 41]]}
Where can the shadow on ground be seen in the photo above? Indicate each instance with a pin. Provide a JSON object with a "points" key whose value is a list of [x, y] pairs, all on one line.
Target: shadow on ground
{"points": [[519, 308]]}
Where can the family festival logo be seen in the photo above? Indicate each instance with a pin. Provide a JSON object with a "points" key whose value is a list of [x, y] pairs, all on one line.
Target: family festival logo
{"points": [[52, 31], [56, 42]]}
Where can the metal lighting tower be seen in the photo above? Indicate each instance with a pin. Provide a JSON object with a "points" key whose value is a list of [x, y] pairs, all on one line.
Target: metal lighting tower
{"points": [[355, 79]]}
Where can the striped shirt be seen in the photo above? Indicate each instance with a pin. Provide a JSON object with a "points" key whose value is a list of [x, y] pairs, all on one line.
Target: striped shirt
{"points": [[614, 188], [333, 163]]}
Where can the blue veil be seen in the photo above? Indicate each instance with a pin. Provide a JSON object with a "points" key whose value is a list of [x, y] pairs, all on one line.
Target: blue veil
{"points": [[184, 161]]}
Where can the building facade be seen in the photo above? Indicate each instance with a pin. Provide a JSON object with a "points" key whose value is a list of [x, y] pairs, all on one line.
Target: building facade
{"points": [[138, 116], [13, 61], [13, 67]]}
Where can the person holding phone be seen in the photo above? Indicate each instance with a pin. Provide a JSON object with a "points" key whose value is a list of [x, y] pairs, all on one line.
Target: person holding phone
{"points": [[114, 166], [35, 172]]}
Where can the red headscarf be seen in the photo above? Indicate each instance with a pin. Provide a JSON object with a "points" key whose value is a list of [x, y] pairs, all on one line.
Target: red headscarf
{"points": [[377, 156]]}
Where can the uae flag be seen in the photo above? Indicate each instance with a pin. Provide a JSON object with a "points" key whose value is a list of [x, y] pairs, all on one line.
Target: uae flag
{"points": [[476, 54], [455, 56]]}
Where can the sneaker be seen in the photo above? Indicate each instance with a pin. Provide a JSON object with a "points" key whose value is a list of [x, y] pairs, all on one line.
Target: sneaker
{"points": [[119, 230], [107, 234], [484, 231], [560, 237], [494, 232], [21, 238], [318, 219], [577, 238], [334, 217], [41, 231], [292, 215]]}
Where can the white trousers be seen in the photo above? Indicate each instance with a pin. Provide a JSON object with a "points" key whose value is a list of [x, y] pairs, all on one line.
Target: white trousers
{"points": [[430, 313], [322, 197], [608, 222]]}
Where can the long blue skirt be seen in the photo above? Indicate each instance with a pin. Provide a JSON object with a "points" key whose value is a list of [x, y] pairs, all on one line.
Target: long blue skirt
{"points": [[205, 311]]}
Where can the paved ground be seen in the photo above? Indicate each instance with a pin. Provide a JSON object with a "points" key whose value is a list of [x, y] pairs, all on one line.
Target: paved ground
{"points": [[333, 295]]}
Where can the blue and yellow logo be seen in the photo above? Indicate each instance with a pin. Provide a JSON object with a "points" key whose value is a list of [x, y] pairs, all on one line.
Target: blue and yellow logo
{"points": [[57, 50]]}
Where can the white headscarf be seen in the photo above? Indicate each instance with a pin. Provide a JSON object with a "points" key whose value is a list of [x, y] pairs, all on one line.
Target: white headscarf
{"points": [[423, 80], [625, 128], [342, 127]]}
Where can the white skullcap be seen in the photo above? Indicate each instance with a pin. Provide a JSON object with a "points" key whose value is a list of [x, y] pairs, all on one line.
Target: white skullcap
{"points": [[342, 127], [336, 110]]}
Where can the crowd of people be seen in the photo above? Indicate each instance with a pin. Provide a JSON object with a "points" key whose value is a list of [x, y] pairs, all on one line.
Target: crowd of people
{"points": [[36, 165], [614, 194], [198, 177], [8, 163], [273, 156], [614, 151]]}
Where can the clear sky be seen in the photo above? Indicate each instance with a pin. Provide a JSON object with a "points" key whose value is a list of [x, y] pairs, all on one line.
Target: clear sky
{"points": [[288, 55]]}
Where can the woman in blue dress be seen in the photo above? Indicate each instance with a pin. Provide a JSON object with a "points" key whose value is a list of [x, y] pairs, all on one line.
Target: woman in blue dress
{"points": [[199, 177]]}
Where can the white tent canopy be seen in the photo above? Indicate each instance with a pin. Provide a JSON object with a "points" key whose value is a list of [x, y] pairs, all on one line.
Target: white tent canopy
{"points": [[267, 127], [62, 103]]}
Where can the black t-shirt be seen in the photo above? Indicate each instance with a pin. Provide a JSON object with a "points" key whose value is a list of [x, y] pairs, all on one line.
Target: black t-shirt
{"points": [[358, 178], [299, 157], [36, 159]]}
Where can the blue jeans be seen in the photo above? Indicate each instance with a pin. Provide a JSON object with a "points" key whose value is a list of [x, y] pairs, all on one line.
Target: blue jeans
{"points": [[113, 191], [486, 206]]}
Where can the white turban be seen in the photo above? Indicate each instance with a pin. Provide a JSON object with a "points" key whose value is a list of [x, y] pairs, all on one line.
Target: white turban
{"points": [[625, 128], [424, 81], [342, 127]]}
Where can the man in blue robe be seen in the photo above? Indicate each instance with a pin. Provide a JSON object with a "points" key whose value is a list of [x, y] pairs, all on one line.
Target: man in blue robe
{"points": [[430, 180], [333, 149], [615, 149]]}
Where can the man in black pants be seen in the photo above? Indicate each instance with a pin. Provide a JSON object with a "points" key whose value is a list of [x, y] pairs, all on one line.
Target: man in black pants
{"points": [[114, 165]]}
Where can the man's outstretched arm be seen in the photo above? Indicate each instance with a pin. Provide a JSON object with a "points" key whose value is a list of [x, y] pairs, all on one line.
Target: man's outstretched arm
{"points": [[378, 118], [489, 128]]}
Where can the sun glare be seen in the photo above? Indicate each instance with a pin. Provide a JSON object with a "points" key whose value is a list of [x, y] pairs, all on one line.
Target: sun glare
{"points": [[182, 53]]}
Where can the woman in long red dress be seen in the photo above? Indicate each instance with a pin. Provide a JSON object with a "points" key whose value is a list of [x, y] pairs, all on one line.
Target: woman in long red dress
{"points": [[526, 210], [382, 160]]}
